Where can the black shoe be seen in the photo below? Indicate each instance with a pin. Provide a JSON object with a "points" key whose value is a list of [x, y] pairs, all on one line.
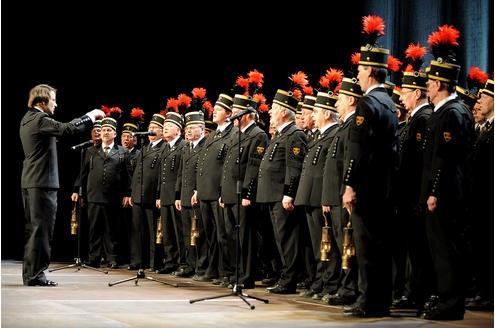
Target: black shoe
{"points": [[478, 303], [435, 313], [318, 296], [361, 313], [308, 293], [42, 283], [303, 285], [403, 303], [183, 272], [219, 281], [165, 270], [279, 289], [337, 299], [269, 280], [113, 265], [133, 267], [201, 278], [350, 307], [431, 302]]}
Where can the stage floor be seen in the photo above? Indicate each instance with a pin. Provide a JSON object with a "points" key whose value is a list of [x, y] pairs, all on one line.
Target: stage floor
{"points": [[85, 299]]}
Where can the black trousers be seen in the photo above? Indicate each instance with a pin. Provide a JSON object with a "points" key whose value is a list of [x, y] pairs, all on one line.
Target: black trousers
{"points": [[40, 210], [286, 228]]}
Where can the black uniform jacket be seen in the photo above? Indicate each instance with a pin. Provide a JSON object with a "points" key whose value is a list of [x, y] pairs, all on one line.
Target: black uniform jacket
{"points": [[251, 148], [281, 165]]}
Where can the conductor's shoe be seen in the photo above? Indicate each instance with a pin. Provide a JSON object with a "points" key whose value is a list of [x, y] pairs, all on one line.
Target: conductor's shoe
{"points": [[43, 283]]}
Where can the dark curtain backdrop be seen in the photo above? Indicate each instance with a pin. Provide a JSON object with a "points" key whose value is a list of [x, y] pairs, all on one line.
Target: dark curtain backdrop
{"points": [[413, 21]]}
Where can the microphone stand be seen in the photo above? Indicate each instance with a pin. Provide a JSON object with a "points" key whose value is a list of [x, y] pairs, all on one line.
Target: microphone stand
{"points": [[237, 289], [78, 263], [140, 273]]}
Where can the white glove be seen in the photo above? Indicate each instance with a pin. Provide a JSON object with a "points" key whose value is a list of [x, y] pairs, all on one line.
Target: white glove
{"points": [[96, 114]]}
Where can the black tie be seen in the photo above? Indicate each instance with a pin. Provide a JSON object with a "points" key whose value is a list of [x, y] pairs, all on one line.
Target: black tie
{"points": [[218, 134]]}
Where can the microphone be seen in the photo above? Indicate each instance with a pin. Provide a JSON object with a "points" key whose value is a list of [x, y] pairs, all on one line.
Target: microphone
{"points": [[147, 133], [240, 114], [82, 145]]}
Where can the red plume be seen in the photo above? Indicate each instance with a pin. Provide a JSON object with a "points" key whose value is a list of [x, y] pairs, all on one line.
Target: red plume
{"points": [[261, 101], [476, 79], [373, 27], [172, 104], [297, 94], [256, 77], [393, 63], [137, 113], [444, 41], [373, 24], [105, 109], [476, 74], [299, 78], [415, 53], [242, 82], [199, 93], [184, 100], [308, 90], [115, 112], [331, 79], [355, 58], [208, 108]]}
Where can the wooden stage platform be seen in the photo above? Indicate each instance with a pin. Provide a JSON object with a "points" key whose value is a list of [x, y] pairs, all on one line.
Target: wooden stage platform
{"points": [[85, 299]]}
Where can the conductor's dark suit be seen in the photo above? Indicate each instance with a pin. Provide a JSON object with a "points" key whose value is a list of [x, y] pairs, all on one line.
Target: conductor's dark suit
{"points": [[40, 183]]}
